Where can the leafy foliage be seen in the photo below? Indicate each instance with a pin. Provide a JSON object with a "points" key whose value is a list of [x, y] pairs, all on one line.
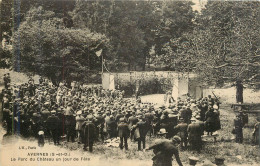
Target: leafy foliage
{"points": [[227, 40], [223, 47], [221, 43], [46, 45]]}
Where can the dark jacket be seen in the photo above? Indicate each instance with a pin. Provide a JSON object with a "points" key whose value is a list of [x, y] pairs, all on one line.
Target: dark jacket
{"points": [[194, 131], [143, 128], [123, 130], [88, 131], [182, 130], [52, 122]]}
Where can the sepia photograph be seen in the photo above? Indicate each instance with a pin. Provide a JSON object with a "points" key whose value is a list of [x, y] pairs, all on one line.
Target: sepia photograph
{"points": [[129, 82]]}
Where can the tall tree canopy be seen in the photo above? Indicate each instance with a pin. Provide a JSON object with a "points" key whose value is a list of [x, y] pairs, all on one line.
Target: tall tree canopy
{"points": [[135, 26], [227, 41], [224, 45], [221, 43], [43, 44]]}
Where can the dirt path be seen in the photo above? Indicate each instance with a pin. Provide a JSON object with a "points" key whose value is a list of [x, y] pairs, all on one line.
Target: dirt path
{"points": [[11, 147]]}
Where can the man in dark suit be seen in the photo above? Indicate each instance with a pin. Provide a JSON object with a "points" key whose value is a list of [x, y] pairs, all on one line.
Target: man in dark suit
{"points": [[111, 127], [194, 135], [184, 114], [88, 133], [52, 124], [100, 123], [132, 120], [149, 117], [142, 128], [181, 128], [118, 116], [123, 133]]}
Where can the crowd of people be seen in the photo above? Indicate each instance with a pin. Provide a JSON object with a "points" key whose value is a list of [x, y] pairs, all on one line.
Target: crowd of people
{"points": [[87, 114]]}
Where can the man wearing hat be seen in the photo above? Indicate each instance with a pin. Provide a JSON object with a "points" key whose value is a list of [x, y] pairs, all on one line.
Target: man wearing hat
{"points": [[100, 123], [52, 124], [111, 127], [162, 133], [238, 123], [88, 133], [119, 115], [37, 123], [128, 114], [203, 110], [123, 133], [210, 100], [149, 117], [181, 128], [132, 120], [164, 149], [194, 135], [142, 127], [184, 114]]}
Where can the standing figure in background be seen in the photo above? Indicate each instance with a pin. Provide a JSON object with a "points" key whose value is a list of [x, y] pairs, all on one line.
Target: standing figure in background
{"points": [[181, 128], [52, 124], [194, 135], [111, 127], [142, 128], [238, 129], [210, 121], [239, 91], [88, 133], [123, 133], [256, 132]]}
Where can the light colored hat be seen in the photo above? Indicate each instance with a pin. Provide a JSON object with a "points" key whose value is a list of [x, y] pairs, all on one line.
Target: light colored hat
{"points": [[162, 131], [41, 133], [215, 107], [122, 120]]}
